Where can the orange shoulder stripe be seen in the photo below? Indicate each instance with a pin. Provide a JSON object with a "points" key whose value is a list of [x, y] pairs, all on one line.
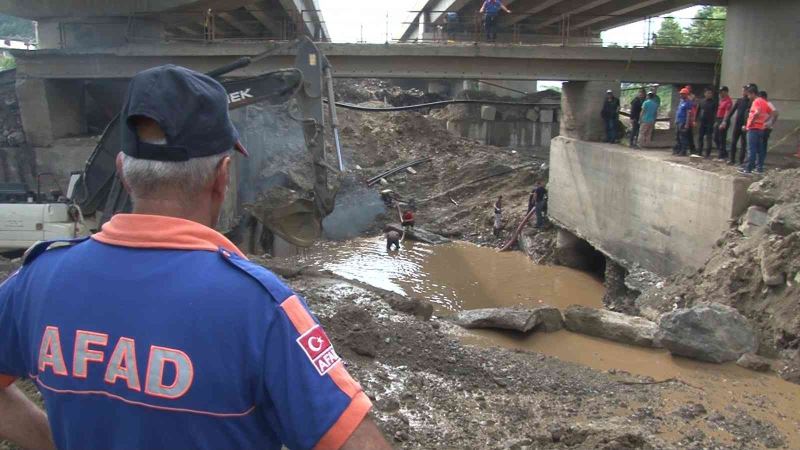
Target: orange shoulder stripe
{"points": [[6, 381], [347, 423]]}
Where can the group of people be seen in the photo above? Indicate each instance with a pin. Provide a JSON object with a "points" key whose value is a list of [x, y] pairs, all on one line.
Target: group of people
{"points": [[751, 119], [702, 124], [644, 112]]}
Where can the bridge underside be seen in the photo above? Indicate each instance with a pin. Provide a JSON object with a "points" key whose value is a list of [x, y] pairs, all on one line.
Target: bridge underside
{"points": [[542, 18]]}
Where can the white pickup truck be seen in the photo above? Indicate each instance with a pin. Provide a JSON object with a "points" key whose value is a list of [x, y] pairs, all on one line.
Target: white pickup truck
{"points": [[24, 221]]}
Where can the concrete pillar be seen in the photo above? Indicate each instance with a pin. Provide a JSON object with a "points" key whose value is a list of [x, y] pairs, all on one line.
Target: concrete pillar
{"points": [[762, 46], [581, 103], [50, 109]]}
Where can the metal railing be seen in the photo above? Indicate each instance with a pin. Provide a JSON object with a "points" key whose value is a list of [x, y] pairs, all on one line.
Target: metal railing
{"points": [[562, 29]]}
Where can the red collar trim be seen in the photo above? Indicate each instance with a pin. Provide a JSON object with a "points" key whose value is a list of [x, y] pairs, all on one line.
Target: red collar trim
{"points": [[163, 232]]}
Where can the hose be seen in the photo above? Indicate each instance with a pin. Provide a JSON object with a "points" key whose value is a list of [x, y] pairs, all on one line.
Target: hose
{"points": [[442, 103]]}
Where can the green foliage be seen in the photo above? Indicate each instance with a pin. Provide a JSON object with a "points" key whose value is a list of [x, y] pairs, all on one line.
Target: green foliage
{"points": [[7, 62], [14, 27], [706, 30], [670, 33]]}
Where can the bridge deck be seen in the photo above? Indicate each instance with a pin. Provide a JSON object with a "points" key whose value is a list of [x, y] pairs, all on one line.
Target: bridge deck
{"points": [[481, 61]]}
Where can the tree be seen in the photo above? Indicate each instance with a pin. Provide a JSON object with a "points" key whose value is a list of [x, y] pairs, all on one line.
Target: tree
{"points": [[16, 28], [707, 28], [670, 33]]}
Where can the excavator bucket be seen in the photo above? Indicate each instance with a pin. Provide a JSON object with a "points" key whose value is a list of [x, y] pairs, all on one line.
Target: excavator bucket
{"points": [[282, 189]]}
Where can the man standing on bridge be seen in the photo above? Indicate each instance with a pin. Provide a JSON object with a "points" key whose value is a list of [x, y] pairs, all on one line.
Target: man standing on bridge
{"points": [[741, 109], [610, 115], [723, 122], [636, 112], [490, 10], [649, 116], [707, 114], [157, 332], [682, 123]]}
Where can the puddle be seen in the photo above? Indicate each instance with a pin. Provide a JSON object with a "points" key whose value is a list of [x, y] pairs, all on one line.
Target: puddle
{"points": [[464, 276]]}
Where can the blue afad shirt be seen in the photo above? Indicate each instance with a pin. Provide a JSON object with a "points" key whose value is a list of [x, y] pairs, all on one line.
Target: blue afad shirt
{"points": [[491, 7], [683, 112], [157, 333]]}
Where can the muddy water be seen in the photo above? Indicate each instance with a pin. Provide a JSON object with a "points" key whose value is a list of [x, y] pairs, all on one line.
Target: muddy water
{"points": [[464, 276]]}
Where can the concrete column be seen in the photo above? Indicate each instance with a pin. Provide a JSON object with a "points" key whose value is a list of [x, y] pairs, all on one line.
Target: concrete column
{"points": [[50, 109], [762, 46], [581, 103]]}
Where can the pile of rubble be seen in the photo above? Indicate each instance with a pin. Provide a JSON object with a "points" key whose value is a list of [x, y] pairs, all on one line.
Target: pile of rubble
{"points": [[754, 269]]}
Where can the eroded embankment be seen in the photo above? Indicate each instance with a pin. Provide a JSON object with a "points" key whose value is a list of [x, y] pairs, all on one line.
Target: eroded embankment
{"points": [[717, 406]]}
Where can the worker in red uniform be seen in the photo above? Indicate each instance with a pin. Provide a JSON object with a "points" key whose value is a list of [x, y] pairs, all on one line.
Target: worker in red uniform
{"points": [[408, 218], [157, 332]]}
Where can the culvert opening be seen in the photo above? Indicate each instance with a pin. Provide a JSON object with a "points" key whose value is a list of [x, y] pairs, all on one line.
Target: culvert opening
{"points": [[577, 253]]}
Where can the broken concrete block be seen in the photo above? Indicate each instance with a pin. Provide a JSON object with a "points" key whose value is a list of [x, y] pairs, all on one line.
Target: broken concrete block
{"points": [[532, 115], [517, 319], [708, 332], [488, 112], [755, 219], [611, 325], [546, 116], [384, 182], [411, 170]]}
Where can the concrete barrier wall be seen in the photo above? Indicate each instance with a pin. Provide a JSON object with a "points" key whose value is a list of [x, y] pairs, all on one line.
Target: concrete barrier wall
{"points": [[637, 207], [506, 134]]}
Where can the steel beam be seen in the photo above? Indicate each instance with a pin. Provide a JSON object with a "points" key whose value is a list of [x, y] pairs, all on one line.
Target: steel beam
{"points": [[488, 62], [572, 7], [274, 26], [650, 11], [614, 10], [235, 22], [524, 9]]}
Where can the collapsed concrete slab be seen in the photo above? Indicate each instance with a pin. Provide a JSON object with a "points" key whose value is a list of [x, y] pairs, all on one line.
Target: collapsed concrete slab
{"points": [[515, 319], [612, 326]]}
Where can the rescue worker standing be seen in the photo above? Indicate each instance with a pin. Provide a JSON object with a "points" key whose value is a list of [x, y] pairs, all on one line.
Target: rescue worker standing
{"points": [[636, 112], [706, 117], [723, 122], [742, 110], [610, 116], [157, 332], [490, 10], [682, 124]]}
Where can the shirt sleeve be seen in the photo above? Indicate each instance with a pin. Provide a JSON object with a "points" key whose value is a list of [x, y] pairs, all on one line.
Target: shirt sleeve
{"points": [[11, 360], [316, 402]]}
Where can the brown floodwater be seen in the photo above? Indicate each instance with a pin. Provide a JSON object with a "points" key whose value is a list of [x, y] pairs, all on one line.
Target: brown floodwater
{"points": [[461, 276]]}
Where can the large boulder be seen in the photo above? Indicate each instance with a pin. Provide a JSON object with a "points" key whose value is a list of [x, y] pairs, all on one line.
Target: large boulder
{"points": [[611, 325], [708, 332], [784, 219], [763, 193], [516, 319], [754, 220], [419, 234]]}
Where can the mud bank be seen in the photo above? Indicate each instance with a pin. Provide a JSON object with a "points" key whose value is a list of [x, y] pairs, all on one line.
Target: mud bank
{"points": [[438, 386]]}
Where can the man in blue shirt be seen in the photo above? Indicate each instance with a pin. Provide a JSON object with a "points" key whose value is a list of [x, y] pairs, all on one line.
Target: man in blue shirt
{"points": [[649, 116], [682, 123], [157, 332], [490, 9]]}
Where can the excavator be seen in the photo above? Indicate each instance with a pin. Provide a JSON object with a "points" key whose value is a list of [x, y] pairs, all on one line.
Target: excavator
{"points": [[278, 196]]}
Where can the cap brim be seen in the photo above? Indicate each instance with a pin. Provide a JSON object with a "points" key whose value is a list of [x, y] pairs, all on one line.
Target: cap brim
{"points": [[240, 148]]}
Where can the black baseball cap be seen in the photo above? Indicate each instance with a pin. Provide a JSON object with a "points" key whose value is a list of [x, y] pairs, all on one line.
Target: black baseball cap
{"points": [[190, 107], [724, 89]]}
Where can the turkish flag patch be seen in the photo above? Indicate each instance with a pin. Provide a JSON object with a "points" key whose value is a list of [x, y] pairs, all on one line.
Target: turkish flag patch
{"points": [[319, 350]]}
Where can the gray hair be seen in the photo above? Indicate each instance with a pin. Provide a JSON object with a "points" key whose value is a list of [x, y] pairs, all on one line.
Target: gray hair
{"points": [[148, 178]]}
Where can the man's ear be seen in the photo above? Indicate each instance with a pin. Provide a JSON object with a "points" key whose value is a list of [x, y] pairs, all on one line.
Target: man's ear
{"points": [[222, 176], [119, 173]]}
